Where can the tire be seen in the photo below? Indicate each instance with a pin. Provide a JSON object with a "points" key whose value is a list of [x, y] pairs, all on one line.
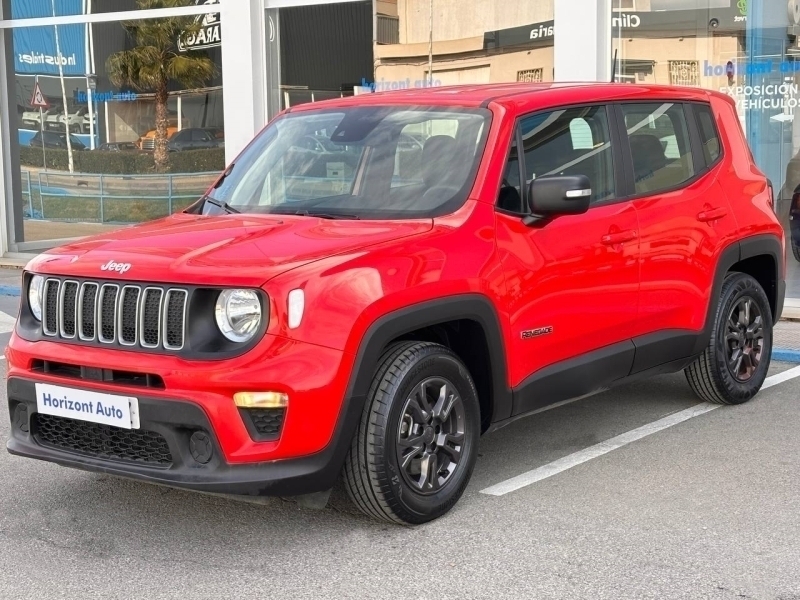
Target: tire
{"points": [[719, 377], [393, 419], [796, 251]]}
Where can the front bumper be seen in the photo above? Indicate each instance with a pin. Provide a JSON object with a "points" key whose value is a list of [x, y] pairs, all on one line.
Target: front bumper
{"points": [[193, 396], [176, 421]]}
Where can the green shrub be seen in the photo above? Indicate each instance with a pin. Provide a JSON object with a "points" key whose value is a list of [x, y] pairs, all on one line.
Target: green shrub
{"points": [[123, 163], [115, 210], [197, 161]]}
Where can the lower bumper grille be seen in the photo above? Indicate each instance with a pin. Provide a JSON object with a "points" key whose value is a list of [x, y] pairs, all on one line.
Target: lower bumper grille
{"points": [[102, 441], [264, 424]]}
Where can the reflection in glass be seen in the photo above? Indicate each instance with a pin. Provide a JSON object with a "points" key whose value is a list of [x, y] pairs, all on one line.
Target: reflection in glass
{"points": [[147, 141]]}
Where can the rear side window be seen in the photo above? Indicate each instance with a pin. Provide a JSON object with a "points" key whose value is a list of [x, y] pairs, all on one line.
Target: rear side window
{"points": [[708, 133], [573, 141], [660, 148]]}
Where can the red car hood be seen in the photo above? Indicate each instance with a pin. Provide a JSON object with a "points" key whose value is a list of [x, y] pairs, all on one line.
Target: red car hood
{"points": [[244, 250]]}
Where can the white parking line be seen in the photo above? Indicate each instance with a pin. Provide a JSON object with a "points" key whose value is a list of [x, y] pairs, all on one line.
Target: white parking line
{"points": [[6, 322], [587, 454]]}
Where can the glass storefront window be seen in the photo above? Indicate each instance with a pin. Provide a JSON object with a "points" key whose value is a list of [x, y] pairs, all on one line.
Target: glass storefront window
{"points": [[102, 140], [339, 49], [743, 48], [317, 52], [420, 43]]}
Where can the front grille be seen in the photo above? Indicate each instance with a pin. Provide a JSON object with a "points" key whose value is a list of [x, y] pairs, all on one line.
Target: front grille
{"points": [[129, 315], [69, 300], [102, 441], [148, 144]]}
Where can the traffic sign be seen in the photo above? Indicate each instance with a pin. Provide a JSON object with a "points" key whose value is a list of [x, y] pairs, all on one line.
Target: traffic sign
{"points": [[38, 100]]}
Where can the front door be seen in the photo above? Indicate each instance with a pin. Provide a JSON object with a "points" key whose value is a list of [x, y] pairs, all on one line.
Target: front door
{"points": [[573, 281]]}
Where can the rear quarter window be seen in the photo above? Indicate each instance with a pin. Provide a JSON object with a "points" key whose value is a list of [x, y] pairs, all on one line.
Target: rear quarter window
{"points": [[708, 133]]}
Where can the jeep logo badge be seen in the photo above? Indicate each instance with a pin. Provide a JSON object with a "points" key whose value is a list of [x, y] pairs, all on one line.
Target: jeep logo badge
{"points": [[115, 266]]}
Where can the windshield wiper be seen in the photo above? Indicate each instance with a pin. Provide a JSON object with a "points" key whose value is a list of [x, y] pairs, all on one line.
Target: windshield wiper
{"points": [[321, 215], [223, 205]]}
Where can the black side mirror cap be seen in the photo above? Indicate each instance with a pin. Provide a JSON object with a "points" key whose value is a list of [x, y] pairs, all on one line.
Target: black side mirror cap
{"points": [[552, 196]]}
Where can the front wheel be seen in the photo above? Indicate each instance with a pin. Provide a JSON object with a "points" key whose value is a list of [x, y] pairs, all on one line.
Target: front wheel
{"points": [[734, 365], [416, 444]]}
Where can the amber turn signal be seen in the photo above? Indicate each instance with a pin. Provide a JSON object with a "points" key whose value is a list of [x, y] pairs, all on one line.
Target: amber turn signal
{"points": [[261, 399]]}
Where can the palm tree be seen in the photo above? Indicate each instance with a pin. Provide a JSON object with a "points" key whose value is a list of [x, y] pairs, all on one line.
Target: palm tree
{"points": [[156, 60]]}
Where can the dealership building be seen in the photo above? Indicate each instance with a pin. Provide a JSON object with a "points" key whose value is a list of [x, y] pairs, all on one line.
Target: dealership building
{"points": [[272, 54]]}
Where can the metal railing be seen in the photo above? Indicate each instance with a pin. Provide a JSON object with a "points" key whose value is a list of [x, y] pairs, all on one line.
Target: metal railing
{"points": [[98, 198]]}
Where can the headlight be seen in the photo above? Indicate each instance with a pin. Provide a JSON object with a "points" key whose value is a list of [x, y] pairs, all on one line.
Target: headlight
{"points": [[35, 288], [238, 314]]}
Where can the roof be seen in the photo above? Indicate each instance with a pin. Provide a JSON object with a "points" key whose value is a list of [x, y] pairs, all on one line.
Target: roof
{"points": [[516, 93]]}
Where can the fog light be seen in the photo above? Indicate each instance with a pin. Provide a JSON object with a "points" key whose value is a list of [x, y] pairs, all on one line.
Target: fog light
{"points": [[200, 447], [261, 399]]}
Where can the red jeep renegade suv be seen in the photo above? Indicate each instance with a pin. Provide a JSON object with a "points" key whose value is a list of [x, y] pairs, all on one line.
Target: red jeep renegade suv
{"points": [[434, 265]]}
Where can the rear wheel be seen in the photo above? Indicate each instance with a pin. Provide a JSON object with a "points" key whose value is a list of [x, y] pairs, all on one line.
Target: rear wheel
{"points": [[733, 367], [416, 444]]}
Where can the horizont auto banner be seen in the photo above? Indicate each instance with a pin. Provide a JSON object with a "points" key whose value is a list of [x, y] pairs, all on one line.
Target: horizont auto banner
{"points": [[35, 47]]}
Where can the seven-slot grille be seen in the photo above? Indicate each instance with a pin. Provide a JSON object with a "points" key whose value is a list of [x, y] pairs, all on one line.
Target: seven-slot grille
{"points": [[129, 315]]}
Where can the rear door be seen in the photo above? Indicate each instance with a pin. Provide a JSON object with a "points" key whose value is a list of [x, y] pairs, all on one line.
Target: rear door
{"points": [[572, 282], [684, 222]]}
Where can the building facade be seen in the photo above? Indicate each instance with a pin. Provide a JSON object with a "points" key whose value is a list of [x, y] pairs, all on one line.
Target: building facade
{"points": [[80, 135]]}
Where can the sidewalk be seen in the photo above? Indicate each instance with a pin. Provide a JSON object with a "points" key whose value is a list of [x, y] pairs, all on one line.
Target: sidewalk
{"points": [[786, 345]]}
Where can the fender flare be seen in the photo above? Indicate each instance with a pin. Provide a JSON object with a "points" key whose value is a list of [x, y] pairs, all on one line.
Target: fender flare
{"points": [[474, 307], [738, 251]]}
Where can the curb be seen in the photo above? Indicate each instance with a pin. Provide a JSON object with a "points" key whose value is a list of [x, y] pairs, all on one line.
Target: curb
{"points": [[786, 355]]}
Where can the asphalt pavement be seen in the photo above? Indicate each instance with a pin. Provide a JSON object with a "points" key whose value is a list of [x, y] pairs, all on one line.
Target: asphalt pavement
{"points": [[706, 508]]}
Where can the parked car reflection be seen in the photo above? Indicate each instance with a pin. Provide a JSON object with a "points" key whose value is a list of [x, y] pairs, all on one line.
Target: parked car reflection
{"points": [[118, 147], [55, 140]]}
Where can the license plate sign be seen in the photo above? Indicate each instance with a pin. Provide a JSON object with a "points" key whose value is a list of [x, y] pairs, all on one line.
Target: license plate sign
{"points": [[108, 409]]}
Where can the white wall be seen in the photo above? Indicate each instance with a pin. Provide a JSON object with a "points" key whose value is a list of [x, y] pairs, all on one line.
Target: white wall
{"points": [[582, 40], [452, 20], [243, 72]]}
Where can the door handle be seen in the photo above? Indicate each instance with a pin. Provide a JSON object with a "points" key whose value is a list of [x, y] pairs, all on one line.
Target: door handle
{"points": [[612, 239], [712, 214]]}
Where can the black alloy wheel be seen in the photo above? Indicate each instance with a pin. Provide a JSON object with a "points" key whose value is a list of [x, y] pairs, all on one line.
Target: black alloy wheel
{"points": [[431, 435], [745, 338]]}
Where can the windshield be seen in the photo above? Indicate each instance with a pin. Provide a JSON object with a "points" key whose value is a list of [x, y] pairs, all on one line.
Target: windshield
{"points": [[384, 162]]}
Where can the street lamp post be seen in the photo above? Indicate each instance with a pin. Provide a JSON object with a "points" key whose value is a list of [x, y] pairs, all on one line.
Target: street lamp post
{"points": [[91, 86], [63, 93]]}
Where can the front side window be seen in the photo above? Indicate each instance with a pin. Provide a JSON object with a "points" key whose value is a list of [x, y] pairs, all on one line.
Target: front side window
{"points": [[364, 162], [571, 141], [660, 148]]}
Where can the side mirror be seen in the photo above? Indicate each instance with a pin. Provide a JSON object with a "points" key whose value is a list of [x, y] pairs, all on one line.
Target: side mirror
{"points": [[558, 195]]}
